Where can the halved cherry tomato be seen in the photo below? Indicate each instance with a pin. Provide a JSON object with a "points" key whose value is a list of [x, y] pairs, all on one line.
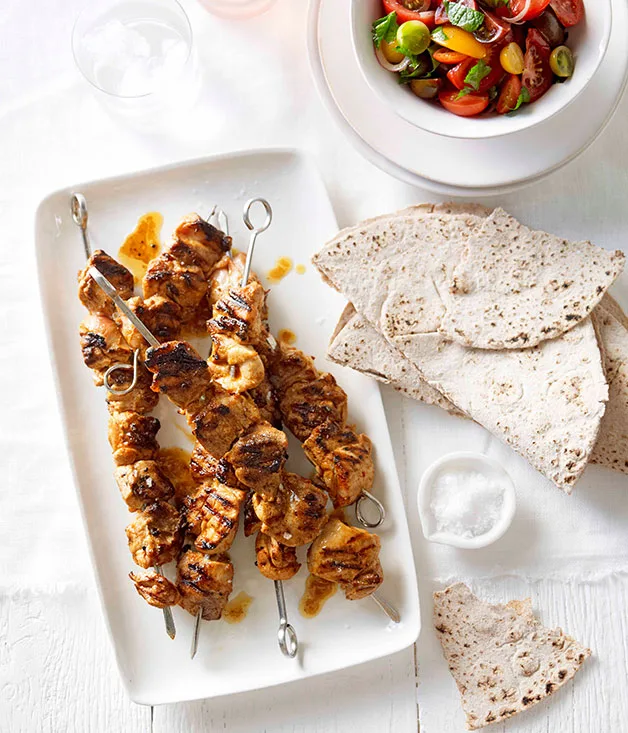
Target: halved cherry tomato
{"points": [[493, 30], [467, 106], [537, 75], [497, 72], [445, 56], [569, 12], [516, 6], [509, 95], [404, 13], [441, 14], [458, 73]]}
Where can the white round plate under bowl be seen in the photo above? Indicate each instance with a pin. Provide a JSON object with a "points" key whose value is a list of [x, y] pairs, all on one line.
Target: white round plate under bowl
{"points": [[588, 40], [449, 166], [471, 462]]}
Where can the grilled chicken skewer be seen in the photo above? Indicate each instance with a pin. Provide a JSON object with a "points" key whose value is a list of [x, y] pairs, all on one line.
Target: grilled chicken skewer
{"points": [[154, 534]]}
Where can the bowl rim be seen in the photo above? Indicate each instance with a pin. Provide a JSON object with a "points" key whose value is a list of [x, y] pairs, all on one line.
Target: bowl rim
{"points": [[467, 543], [488, 134]]}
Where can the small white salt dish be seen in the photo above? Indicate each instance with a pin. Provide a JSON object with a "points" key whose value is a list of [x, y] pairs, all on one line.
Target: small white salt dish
{"points": [[466, 462]]}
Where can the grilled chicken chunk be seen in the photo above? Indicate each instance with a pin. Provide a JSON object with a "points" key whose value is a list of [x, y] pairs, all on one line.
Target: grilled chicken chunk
{"points": [[186, 285], [343, 461], [218, 419], [226, 275], [251, 523], [160, 316], [102, 345], [235, 366], [142, 483], [296, 515], [204, 467], [348, 556], [264, 397], [258, 457], [90, 294], [140, 399], [204, 581], [306, 405], [155, 535], [274, 560], [132, 437], [238, 313], [179, 372], [197, 242], [155, 589], [289, 366], [212, 514]]}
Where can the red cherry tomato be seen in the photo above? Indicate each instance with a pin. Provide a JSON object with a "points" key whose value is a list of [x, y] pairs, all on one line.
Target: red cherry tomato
{"points": [[537, 75], [509, 95], [441, 14], [459, 72], [445, 56], [569, 12], [497, 72], [467, 106], [404, 14], [494, 30], [516, 6]]}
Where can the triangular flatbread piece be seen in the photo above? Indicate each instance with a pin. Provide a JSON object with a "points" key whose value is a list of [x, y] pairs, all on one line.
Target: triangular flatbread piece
{"points": [[502, 659], [611, 449], [514, 287]]}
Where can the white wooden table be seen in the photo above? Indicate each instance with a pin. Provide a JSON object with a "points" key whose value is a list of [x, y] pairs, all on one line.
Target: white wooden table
{"points": [[56, 668]]}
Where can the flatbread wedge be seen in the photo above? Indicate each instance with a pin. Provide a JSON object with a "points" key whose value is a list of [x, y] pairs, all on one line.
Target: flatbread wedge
{"points": [[485, 282], [514, 287], [501, 657], [611, 448], [356, 344]]}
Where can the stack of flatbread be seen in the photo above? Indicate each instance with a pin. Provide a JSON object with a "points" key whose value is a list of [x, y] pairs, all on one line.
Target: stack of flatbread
{"points": [[502, 659], [468, 309]]}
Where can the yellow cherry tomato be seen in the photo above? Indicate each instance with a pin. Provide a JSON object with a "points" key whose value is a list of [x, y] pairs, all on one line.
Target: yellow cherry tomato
{"points": [[458, 40], [389, 50], [511, 59]]}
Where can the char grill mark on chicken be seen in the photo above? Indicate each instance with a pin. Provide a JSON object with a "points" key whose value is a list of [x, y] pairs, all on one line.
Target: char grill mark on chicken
{"points": [[296, 515], [133, 437], [90, 294], [197, 242], [155, 534], [348, 556], [250, 520], [142, 483], [258, 457], [102, 345], [204, 581], [274, 560], [161, 317], [155, 589], [212, 515], [178, 372], [343, 460]]}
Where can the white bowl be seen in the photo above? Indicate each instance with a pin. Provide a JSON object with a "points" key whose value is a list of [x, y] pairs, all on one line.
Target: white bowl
{"points": [[471, 462], [588, 40]]}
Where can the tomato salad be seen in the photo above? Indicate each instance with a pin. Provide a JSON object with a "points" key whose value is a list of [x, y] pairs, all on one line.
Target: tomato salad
{"points": [[477, 55]]}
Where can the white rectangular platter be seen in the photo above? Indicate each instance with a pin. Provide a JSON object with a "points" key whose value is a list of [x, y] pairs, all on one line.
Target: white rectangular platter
{"points": [[231, 658]]}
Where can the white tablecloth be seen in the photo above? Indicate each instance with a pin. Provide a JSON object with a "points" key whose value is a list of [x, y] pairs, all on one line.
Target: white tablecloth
{"points": [[258, 92]]}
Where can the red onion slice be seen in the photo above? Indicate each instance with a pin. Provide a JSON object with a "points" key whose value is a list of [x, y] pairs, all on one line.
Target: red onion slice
{"points": [[387, 65], [520, 16]]}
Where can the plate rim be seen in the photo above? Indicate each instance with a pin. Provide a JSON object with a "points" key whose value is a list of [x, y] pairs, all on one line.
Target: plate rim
{"points": [[412, 626]]}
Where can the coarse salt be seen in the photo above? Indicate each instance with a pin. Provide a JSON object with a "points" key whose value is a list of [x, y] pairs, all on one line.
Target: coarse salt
{"points": [[466, 503]]}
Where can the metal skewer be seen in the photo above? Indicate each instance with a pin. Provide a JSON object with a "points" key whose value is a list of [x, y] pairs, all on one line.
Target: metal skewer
{"points": [[79, 214]]}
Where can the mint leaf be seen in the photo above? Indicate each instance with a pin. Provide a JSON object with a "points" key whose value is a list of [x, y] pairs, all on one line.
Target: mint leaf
{"points": [[476, 73], [385, 29], [439, 35], [466, 18], [463, 92]]}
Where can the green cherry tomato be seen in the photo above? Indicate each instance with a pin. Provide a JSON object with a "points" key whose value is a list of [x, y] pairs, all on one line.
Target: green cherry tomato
{"points": [[413, 37], [562, 62]]}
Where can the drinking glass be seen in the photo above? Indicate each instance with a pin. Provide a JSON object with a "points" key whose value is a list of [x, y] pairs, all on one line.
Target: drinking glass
{"points": [[139, 55], [236, 8]]}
